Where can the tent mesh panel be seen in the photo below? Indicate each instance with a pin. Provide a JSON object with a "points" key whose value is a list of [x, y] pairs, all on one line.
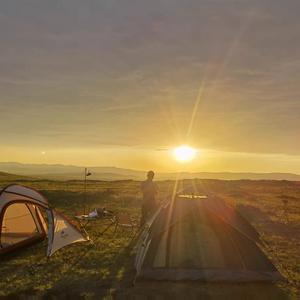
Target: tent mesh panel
{"points": [[18, 225]]}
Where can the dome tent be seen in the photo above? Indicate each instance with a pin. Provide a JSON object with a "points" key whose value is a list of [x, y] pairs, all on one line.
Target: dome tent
{"points": [[24, 213], [201, 238]]}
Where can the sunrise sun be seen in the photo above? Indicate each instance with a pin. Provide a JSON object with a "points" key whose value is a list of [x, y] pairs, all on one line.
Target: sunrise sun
{"points": [[184, 153]]}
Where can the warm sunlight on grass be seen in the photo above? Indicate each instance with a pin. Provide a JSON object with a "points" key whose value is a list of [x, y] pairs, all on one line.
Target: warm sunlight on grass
{"points": [[184, 153]]}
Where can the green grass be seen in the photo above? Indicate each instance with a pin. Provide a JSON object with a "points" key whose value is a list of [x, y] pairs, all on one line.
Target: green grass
{"points": [[100, 268]]}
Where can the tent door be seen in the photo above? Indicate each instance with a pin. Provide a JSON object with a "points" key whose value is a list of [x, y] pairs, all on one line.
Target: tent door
{"points": [[20, 226]]}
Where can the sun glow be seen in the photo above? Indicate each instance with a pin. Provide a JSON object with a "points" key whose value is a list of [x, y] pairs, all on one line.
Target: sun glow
{"points": [[184, 153]]}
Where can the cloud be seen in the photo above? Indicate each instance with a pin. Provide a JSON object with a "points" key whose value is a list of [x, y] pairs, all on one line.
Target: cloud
{"points": [[97, 72]]}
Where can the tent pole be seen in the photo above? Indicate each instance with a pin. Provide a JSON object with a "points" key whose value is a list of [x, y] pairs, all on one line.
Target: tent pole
{"points": [[85, 170]]}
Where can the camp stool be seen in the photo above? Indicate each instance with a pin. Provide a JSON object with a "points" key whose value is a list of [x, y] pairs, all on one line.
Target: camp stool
{"points": [[124, 221]]}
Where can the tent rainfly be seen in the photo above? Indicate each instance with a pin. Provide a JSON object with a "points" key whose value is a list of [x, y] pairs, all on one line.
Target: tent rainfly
{"points": [[201, 238], [24, 213]]}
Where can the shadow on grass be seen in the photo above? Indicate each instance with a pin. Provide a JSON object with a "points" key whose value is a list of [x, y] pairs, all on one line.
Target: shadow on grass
{"points": [[76, 202], [112, 272], [277, 228], [73, 201], [196, 290]]}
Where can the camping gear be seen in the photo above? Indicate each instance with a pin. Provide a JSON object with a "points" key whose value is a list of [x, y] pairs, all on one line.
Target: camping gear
{"points": [[120, 220], [93, 214], [97, 213], [24, 213], [201, 238]]}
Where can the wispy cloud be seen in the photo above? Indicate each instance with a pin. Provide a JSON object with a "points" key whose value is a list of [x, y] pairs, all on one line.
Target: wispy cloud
{"points": [[80, 73]]}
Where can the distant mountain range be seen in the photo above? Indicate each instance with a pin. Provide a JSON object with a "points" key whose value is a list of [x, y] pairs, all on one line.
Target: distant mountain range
{"points": [[69, 172]]}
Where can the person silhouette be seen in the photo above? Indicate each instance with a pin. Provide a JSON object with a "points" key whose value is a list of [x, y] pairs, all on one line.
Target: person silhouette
{"points": [[149, 203]]}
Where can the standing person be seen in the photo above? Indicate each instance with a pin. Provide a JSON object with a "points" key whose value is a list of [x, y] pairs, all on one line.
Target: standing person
{"points": [[150, 191]]}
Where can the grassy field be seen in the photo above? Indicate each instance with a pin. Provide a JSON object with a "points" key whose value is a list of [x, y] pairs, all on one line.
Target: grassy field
{"points": [[104, 267]]}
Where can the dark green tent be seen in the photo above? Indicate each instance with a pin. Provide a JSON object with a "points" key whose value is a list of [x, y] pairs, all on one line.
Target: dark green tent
{"points": [[201, 238]]}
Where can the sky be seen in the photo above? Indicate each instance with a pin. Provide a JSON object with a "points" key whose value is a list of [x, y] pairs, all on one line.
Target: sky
{"points": [[120, 83]]}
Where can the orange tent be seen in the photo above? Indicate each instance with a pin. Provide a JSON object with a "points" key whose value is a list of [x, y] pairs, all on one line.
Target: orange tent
{"points": [[26, 218]]}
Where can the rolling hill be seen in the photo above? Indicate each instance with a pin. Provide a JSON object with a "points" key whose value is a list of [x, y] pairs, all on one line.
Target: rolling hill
{"points": [[70, 172], [13, 177]]}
